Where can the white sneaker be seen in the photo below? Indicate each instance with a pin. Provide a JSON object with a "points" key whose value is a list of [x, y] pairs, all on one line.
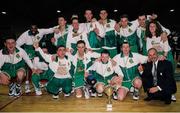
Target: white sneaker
{"points": [[93, 94], [115, 97], [131, 89], [78, 96], [86, 93], [38, 92], [136, 94], [67, 95], [55, 96], [173, 98], [27, 87], [99, 94]]}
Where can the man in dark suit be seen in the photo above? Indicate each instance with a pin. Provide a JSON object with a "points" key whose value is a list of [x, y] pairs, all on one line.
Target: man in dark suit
{"points": [[157, 78]]}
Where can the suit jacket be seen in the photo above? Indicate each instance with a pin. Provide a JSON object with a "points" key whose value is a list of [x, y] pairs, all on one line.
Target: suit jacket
{"points": [[165, 78]]}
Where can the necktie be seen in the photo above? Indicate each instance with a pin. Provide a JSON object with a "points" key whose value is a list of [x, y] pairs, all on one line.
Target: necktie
{"points": [[154, 73]]}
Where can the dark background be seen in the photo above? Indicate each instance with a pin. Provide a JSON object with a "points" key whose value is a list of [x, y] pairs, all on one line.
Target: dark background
{"points": [[22, 13]]}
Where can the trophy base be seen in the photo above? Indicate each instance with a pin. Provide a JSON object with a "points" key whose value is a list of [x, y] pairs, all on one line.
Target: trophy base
{"points": [[109, 107]]}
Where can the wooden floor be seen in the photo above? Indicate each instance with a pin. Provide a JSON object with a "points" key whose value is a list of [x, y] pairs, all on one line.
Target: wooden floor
{"points": [[45, 103]]}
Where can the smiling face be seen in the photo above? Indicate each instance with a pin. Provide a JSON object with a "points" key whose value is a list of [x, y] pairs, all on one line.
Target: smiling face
{"points": [[152, 55], [124, 22], [88, 15], [81, 48], [142, 20], [34, 29], [10, 44], [61, 21], [75, 24], [104, 57], [152, 28], [125, 49], [103, 14], [61, 52]]}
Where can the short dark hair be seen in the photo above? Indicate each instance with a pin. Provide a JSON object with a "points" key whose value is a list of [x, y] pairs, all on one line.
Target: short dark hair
{"points": [[81, 42], [61, 46], [31, 26], [10, 36], [141, 13], [124, 16], [61, 16], [105, 51]]}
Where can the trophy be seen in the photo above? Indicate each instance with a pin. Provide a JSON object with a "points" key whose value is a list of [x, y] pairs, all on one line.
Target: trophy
{"points": [[109, 92]]}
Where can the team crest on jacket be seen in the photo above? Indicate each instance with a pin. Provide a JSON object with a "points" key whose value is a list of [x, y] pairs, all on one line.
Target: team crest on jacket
{"points": [[153, 42], [17, 56], [131, 61], [108, 25], [108, 69], [129, 30]]}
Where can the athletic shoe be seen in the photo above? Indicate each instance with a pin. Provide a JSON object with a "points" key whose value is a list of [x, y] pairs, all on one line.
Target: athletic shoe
{"points": [[12, 88], [18, 90], [136, 94]]}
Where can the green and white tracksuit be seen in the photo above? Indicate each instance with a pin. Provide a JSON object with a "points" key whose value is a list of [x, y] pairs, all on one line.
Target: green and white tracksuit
{"points": [[11, 63], [93, 38], [81, 65], [47, 74], [109, 41], [27, 39], [61, 37], [129, 66], [104, 72], [129, 34], [73, 37], [142, 41], [59, 68]]}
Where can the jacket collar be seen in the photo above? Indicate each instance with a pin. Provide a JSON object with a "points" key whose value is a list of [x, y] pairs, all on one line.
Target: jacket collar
{"points": [[130, 54]]}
